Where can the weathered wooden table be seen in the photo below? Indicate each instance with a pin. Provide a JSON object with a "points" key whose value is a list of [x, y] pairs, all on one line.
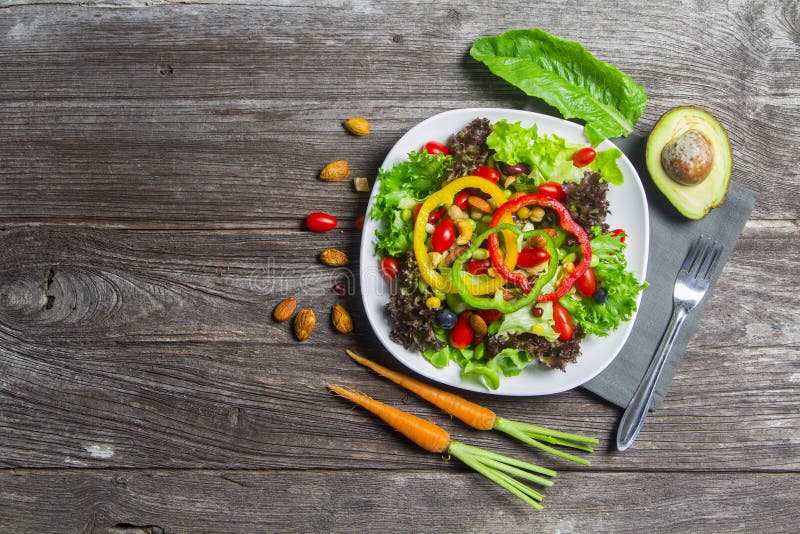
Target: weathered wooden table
{"points": [[156, 162]]}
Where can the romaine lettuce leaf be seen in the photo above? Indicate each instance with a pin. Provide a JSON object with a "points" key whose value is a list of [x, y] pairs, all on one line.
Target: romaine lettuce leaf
{"points": [[566, 76]]}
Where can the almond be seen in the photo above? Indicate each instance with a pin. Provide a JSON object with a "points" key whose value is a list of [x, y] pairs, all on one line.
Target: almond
{"points": [[357, 125], [478, 325], [341, 319], [335, 171], [479, 204], [304, 324], [284, 309], [333, 257]]}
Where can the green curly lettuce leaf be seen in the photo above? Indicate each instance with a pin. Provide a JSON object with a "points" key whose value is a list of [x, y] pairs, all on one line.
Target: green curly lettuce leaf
{"points": [[566, 76], [621, 284], [402, 186], [549, 156]]}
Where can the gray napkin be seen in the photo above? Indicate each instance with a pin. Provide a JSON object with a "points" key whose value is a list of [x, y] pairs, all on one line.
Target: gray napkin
{"points": [[670, 237]]}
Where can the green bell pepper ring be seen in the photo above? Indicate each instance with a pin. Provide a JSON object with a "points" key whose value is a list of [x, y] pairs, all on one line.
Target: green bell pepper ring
{"points": [[498, 302]]}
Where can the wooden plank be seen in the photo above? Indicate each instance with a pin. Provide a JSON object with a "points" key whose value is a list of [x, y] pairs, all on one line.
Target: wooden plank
{"points": [[255, 406], [245, 114], [74, 285], [444, 497]]}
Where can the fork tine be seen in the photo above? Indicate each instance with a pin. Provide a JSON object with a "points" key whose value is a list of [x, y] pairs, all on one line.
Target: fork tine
{"points": [[691, 255], [702, 256], [703, 245], [710, 263]]}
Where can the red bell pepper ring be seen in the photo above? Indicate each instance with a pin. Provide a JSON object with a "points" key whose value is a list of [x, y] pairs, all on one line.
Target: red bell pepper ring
{"points": [[567, 223]]}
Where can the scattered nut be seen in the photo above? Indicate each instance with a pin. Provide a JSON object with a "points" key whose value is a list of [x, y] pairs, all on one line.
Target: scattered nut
{"points": [[538, 241], [537, 214], [478, 325], [357, 125], [361, 184], [456, 213], [479, 204], [333, 257], [284, 309], [304, 323], [335, 171], [341, 319], [464, 231]]}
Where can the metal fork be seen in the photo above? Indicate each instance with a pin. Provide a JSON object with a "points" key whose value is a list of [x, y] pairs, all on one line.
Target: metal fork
{"points": [[691, 285]]}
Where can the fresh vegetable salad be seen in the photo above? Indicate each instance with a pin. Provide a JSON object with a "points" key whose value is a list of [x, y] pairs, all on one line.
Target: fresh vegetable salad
{"points": [[497, 251]]}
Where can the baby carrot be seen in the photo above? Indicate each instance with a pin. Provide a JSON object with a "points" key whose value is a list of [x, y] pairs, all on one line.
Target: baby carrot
{"points": [[424, 433], [496, 467], [482, 418], [473, 414]]}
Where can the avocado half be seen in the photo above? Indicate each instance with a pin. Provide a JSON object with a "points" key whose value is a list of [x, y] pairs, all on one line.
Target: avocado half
{"points": [[690, 160]]}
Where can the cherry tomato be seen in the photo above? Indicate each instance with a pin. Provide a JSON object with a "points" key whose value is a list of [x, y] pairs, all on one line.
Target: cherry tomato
{"points": [[553, 190], [584, 156], [489, 316], [436, 215], [619, 231], [443, 236], [320, 222], [490, 173], [435, 148], [462, 334], [530, 257], [477, 267], [390, 267], [587, 284], [462, 200], [563, 322], [360, 222]]}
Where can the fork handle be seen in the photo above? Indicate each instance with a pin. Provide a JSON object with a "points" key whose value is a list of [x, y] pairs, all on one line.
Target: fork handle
{"points": [[636, 411]]}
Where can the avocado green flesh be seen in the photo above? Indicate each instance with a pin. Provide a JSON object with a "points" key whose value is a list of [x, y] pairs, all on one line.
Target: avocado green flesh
{"points": [[693, 201]]}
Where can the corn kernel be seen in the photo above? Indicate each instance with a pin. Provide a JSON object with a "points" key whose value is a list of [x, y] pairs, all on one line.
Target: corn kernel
{"points": [[537, 329], [524, 212], [536, 214], [568, 267], [433, 303]]}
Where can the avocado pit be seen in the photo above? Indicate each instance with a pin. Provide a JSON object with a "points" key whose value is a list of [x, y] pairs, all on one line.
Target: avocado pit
{"points": [[688, 158]]}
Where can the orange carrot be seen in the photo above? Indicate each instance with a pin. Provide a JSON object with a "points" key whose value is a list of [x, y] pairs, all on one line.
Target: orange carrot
{"points": [[473, 414], [424, 433], [502, 470], [483, 418]]}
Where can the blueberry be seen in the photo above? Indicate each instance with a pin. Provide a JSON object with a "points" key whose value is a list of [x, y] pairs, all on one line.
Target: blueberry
{"points": [[600, 295], [447, 319]]}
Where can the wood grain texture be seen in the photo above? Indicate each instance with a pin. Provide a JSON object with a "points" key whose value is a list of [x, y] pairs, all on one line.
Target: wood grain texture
{"points": [[346, 501], [156, 163], [198, 127]]}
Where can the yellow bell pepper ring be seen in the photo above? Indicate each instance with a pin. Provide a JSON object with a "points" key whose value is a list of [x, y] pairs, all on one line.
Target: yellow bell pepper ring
{"points": [[445, 196]]}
